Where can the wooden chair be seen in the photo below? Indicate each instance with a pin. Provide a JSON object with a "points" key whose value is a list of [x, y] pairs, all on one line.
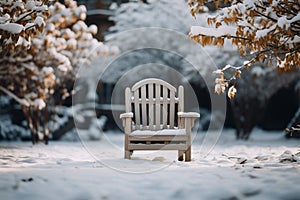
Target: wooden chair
{"points": [[155, 118]]}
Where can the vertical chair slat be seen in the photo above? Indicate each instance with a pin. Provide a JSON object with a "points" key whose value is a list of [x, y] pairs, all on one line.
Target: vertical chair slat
{"points": [[137, 109], [180, 99], [127, 100], [157, 107], [127, 122], [165, 107], [180, 104], [172, 109], [150, 117], [144, 109]]}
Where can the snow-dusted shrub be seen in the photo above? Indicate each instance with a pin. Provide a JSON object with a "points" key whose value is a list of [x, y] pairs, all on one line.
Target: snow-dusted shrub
{"points": [[10, 131], [42, 74], [265, 31]]}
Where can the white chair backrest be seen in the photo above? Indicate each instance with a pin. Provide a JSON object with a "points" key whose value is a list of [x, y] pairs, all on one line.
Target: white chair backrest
{"points": [[154, 104]]}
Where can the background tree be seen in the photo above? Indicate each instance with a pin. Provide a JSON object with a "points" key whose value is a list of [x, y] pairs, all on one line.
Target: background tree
{"points": [[159, 13], [262, 30], [266, 33], [41, 75]]}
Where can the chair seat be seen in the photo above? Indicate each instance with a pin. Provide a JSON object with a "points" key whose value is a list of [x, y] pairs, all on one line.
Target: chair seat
{"points": [[167, 132], [160, 136]]}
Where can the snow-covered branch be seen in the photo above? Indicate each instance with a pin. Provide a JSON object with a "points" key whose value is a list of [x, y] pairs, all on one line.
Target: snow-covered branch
{"points": [[263, 30], [21, 19], [22, 102]]}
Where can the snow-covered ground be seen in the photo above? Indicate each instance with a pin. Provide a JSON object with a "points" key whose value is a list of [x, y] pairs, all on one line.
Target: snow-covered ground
{"points": [[265, 167]]}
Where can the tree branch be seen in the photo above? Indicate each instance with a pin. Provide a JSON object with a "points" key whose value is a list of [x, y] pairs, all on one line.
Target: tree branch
{"points": [[23, 102]]}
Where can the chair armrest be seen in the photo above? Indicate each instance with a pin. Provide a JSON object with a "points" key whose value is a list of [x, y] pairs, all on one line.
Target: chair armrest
{"points": [[188, 114], [186, 119], [127, 120], [126, 115]]}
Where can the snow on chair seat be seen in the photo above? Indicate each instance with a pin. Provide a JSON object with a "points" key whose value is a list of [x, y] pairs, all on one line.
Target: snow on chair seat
{"points": [[170, 132], [155, 118]]}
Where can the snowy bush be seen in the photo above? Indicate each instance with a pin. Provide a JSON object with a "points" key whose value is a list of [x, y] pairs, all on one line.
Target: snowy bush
{"points": [[10, 131], [263, 30], [42, 74]]}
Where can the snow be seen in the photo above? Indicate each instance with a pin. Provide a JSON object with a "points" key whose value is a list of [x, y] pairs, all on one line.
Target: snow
{"points": [[69, 34], [80, 25], [63, 67], [41, 8], [282, 21], [296, 18], [114, 50], [47, 70], [250, 3], [7, 2], [296, 39], [265, 167], [23, 42], [13, 28], [216, 32], [163, 132], [93, 29], [39, 21], [72, 43], [264, 32], [18, 5], [30, 5], [5, 18], [39, 103], [80, 11], [29, 25], [258, 71]]}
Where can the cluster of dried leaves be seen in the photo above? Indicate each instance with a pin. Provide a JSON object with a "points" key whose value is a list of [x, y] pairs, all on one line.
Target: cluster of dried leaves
{"points": [[265, 30]]}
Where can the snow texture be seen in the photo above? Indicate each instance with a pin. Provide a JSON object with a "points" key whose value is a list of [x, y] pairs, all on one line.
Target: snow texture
{"points": [[39, 21], [216, 32], [13, 28], [39, 103], [266, 167]]}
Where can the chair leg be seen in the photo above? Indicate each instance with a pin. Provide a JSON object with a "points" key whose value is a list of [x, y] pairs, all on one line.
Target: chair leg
{"points": [[180, 155], [188, 156], [128, 154]]}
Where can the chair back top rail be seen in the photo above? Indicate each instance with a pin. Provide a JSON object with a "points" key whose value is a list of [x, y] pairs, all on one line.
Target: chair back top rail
{"points": [[154, 103], [153, 81]]}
